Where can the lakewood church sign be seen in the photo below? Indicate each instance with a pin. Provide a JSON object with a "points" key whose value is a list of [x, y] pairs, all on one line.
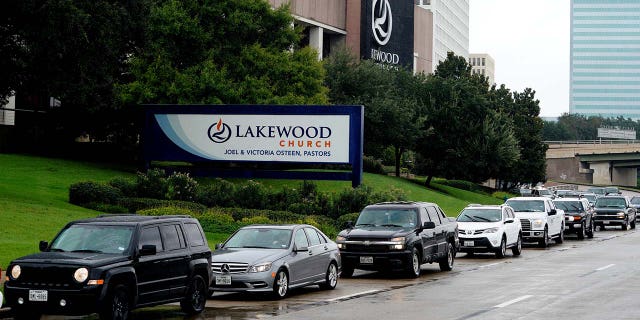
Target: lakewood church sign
{"points": [[387, 32]]}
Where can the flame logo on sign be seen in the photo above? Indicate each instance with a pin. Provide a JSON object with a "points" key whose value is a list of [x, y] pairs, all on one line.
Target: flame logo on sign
{"points": [[219, 132], [381, 21]]}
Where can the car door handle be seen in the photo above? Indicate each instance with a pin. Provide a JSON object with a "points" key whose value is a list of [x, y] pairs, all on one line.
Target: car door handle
{"points": [[310, 253]]}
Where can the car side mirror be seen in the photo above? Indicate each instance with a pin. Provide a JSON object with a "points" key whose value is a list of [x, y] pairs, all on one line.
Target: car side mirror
{"points": [[148, 250], [429, 225], [43, 245], [218, 246], [553, 212], [508, 221], [349, 225], [299, 249]]}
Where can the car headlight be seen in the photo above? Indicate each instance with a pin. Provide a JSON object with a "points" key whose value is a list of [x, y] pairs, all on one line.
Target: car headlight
{"points": [[398, 239], [538, 223], [81, 274], [262, 267], [340, 239], [620, 214], [15, 272], [490, 230], [397, 243]]}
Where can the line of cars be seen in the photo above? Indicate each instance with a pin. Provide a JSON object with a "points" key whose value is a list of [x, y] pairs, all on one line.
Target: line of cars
{"points": [[116, 263]]}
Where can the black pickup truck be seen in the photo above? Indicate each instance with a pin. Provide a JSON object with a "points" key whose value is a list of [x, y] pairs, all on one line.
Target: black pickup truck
{"points": [[399, 236]]}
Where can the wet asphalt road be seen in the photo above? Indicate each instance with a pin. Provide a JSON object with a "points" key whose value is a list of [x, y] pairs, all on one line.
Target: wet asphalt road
{"points": [[590, 279]]}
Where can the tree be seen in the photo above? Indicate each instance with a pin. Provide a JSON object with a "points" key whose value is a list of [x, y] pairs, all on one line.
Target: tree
{"points": [[462, 136], [229, 51], [72, 50], [392, 107]]}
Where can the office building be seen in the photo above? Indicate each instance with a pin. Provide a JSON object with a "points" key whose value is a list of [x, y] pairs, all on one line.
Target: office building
{"points": [[482, 63], [605, 58]]}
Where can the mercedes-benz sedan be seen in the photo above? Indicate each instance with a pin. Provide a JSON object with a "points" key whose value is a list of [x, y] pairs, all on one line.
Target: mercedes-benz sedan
{"points": [[275, 258]]}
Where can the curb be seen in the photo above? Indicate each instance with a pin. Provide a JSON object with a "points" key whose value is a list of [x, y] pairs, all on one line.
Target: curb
{"points": [[5, 313]]}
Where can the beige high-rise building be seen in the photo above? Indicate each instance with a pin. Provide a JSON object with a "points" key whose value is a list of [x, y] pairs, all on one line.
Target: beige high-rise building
{"points": [[482, 63]]}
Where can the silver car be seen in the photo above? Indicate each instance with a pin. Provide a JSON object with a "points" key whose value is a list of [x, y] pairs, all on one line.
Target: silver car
{"points": [[275, 258]]}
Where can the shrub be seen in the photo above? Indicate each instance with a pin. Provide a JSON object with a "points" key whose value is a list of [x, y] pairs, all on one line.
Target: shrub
{"points": [[166, 211], [252, 195], [341, 222], [275, 216], [180, 186], [255, 220], [216, 222], [136, 204], [218, 194], [284, 198], [93, 192], [152, 184], [106, 208], [351, 200], [372, 165], [126, 186]]}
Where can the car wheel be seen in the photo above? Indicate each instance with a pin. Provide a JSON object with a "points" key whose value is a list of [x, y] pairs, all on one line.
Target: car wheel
{"points": [[281, 284], [331, 278], [517, 249], [625, 226], [560, 238], [413, 269], [581, 232], [502, 251], [196, 298], [117, 304], [591, 231], [446, 264], [633, 224], [544, 242], [347, 271]]}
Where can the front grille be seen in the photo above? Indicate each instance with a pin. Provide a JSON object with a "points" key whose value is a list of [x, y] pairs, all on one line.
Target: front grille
{"points": [[233, 267], [369, 248], [474, 232], [47, 277], [526, 224]]}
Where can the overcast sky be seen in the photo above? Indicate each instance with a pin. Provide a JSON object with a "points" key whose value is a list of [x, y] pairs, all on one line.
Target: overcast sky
{"points": [[529, 41]]}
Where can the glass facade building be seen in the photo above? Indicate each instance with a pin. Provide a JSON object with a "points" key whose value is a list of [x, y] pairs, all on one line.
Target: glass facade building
{"points": [[605, 58]]}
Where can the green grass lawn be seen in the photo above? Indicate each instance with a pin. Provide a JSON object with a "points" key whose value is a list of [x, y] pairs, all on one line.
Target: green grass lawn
{"points": [[34, 194]]}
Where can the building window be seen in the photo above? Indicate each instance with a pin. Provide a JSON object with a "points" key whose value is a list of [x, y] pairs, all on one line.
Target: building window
{"points": [[483, 62]]}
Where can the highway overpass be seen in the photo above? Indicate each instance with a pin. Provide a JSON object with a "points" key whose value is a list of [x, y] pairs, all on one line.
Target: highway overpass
{"points": [[599, 162]]}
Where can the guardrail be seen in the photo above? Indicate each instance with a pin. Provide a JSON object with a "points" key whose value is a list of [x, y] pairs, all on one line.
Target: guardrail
{"points": [[598, 141]]}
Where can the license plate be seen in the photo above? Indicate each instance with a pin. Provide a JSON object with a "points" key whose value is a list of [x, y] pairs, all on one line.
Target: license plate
{"points": [[469, 243], [606, 222], [223, 280], [38, 295], [366, 260]]}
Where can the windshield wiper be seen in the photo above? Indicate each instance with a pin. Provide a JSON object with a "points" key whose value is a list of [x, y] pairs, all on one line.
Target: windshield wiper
{"points": [[391, 225], [482, 218], [56, 250], [257, 247], [87, 250], [365, 224]]}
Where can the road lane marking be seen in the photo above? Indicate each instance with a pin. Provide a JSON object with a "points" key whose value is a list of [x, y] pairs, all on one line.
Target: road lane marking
{"points": [[605, 267], [510, 302], [490, 265], [355, 295]]}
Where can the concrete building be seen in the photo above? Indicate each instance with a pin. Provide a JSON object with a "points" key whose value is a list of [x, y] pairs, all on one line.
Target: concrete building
{"points": [[418, 34], [605, 58], [482, 63]]}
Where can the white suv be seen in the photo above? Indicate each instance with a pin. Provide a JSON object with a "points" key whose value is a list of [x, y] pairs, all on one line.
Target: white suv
{"points": [[540, 218], [489, 229]]}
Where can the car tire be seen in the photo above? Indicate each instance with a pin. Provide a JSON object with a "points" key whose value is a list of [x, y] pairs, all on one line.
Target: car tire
{"points": [[560, 238], [413, 267], [502, 251], [118, 304], [196, 298], [544, 242], [347, 271], [591, 231], [281, 284], [633, 224], [517, 249], [446, 264], [625, 226], [331, 278], [581, 232]]}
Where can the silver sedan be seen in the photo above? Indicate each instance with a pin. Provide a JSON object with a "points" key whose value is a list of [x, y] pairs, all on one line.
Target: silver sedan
{"points": [[274, 259]]}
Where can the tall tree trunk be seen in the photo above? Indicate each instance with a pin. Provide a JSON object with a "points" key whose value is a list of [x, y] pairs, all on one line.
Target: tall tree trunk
{"points": [[398, 153], [428, 182]]}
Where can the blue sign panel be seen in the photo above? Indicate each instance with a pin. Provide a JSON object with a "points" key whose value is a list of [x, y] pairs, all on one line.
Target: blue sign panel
{"points": [[257, 134]]}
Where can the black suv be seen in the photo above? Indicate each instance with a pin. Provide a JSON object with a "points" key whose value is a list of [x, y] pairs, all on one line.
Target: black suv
{"points": [[399, 235], [111, 265], [615, 211]]}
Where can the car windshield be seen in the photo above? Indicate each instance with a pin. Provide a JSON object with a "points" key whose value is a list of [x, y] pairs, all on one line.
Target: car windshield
{"points": [[480, 215], [610, 203], [569, 206], [599, 191], [635, 200], [526, 205], [611, 190], [404, 218], [544, 192], [263, 238], [94, 238], [590, 197]]}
